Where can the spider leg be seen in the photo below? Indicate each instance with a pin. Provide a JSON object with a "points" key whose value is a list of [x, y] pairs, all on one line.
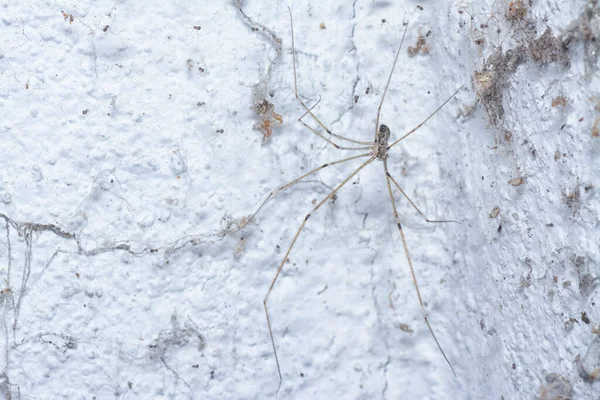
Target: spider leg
{"points": [[413, 204], [412, 271], [292, 183], [309, 110], [426, 119], [329, 196], [388, 82]]}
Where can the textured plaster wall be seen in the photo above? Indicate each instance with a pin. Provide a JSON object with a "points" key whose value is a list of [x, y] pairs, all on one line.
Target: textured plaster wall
{"points": [[134, 141]]}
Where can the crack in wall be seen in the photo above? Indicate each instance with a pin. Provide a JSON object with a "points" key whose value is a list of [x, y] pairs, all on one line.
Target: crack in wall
{"points": [[8, 294], [385, 342], [354, 96]]}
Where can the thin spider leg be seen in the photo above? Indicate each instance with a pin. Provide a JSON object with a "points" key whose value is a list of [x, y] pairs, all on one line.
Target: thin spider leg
{"points": [[292, 183], [412, 271], [426, 119], [388, 82], [414, 205], [329, 196], [311, 108], [337, 146], [325, 138], [308, 110]]}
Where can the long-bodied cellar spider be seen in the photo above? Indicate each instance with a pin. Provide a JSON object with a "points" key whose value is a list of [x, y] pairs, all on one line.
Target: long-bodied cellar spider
{"points": [[376, 150]]}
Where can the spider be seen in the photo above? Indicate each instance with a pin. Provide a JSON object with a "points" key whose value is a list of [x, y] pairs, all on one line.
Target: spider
{"points": [[376, 150]]}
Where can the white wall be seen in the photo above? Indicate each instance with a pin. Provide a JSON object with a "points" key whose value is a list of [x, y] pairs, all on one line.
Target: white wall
{"points": [[130, 150]]}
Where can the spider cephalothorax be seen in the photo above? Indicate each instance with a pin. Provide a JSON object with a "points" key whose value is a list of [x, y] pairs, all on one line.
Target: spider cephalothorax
{"points": [[380, 148]]}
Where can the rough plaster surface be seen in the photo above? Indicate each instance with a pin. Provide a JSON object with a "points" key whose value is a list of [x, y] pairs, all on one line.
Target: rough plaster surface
{"points": [[131, 149]]}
